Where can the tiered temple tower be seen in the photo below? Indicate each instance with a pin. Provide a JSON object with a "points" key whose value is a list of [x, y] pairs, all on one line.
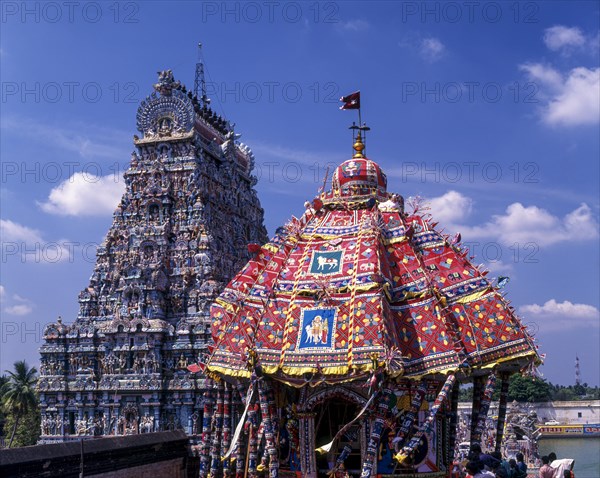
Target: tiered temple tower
{"points": [[178, 236]]}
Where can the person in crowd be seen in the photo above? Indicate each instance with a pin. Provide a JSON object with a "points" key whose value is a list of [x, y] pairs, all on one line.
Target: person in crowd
{"points": [[474, 452], [546, 471], [561, 466], [502, 463], [521, 466], [475, 469], [500, 472], [488, 461], [513, 467]]}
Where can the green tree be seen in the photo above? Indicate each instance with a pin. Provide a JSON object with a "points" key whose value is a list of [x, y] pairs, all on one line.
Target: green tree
{"points": [[28, 429], [3, 380], [527, 389], [19, 396]]}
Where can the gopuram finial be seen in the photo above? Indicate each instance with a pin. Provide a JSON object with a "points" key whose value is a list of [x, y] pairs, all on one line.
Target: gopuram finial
{"points": [[166, 83]]}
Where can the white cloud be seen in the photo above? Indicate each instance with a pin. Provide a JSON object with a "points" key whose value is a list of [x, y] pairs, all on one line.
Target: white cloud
{"points": [[85, 195], [569, 100], [19, 309], [29, 244], [431, 49], [18, 298], [558, 315], [565, 308], [450, 208], [499, 268], [357, 25], [526, 224], [15, 232], [22, 306], [561, 38], [519, 224], [545, 75], [579, 101]]}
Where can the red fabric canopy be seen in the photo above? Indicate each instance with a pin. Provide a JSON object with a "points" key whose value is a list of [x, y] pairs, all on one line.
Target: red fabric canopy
{"points": [[359, 285]]}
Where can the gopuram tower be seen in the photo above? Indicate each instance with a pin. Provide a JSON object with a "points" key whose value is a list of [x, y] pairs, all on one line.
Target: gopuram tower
{"points": [[178, 236]]}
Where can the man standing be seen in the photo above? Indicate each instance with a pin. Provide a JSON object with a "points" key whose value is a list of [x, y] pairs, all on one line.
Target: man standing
{"points": [[546, 471]]}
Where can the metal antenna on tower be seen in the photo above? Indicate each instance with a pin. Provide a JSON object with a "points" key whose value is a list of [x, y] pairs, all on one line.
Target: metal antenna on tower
{"points": [[577, 371], [199, 82]]}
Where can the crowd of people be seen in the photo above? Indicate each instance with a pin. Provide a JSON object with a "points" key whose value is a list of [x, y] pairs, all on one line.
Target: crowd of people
{"points": [[493, 465]]}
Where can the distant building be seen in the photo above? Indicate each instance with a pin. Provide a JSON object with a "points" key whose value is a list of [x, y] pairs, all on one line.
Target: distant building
{"points": [[178, 236]]}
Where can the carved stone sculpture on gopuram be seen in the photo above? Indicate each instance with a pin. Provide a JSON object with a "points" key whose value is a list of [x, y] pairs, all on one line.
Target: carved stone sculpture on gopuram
{"points": [[179, 234]]}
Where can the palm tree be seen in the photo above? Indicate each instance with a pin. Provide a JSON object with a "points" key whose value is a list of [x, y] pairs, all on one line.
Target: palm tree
{"points": [[19, 394]]}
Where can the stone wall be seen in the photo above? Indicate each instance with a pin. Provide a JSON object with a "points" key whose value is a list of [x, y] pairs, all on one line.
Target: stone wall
{"points": [[571, 412], [575, 413], [135, 456]]}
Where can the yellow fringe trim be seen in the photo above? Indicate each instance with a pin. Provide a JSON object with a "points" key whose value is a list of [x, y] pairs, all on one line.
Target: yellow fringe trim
{"points": [[471, 297]]}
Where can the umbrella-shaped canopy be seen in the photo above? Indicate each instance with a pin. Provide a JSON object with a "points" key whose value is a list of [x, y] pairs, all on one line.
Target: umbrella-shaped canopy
{"points": [[356, 284]]}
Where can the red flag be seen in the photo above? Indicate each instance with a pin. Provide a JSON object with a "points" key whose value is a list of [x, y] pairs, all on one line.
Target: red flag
{"points": [[351, 102]]}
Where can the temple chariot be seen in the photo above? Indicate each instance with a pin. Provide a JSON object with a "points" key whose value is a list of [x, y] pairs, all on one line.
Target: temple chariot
{"points": [[340, 346], [336, 350]]}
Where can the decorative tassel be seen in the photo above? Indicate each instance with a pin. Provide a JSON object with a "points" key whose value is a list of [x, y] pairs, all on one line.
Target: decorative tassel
{"points": [[376, 431], [502, 410], [326, 448], [226, 428], [485, 405], [263, 391], [215, 447], [411, 414], [205, 443], [453, 421], [351, 435], [240, 426], [427, 426], [241, 448], [476, 406], [252, 440]]}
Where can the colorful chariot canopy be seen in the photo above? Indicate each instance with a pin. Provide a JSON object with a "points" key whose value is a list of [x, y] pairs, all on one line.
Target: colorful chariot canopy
{"points": [[357, 285]]}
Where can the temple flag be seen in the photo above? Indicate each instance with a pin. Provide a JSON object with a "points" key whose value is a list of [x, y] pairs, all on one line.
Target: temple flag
{"points": [[351, 102]]}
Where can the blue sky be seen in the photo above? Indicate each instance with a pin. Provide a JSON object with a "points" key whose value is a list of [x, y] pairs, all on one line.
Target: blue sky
{"points": [[490, 111]]}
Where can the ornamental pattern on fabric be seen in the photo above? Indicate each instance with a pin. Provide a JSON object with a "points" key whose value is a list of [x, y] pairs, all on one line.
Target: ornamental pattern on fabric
{"points": [[401, 292]]}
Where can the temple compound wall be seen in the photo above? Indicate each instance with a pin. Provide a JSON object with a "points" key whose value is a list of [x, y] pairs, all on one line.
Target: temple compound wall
{"points": [[140, 456], [179, 233], [579, 412]]}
